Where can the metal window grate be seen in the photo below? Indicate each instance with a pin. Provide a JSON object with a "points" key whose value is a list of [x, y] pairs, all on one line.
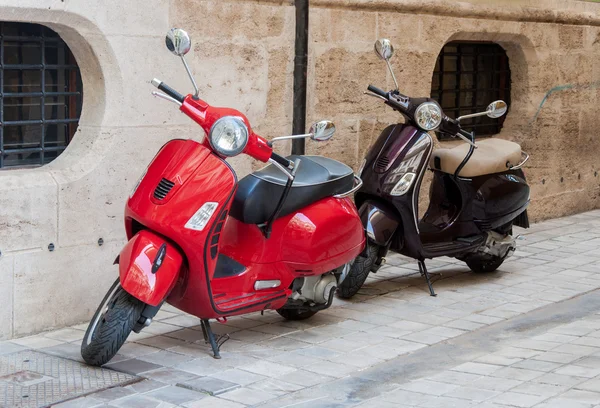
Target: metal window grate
{"points": [[40, 95], [467, 77]]}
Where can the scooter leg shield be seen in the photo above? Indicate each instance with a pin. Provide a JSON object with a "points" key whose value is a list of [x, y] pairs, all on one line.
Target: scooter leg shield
{"points": [[148, 267], [380, 223]]}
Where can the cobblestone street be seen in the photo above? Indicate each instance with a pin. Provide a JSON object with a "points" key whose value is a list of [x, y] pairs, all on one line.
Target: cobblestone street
{"points": [[525, 336]]}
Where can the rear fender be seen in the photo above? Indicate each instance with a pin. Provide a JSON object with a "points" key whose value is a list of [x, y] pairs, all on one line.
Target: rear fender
{"points": [[148, 267], [379, 221]]}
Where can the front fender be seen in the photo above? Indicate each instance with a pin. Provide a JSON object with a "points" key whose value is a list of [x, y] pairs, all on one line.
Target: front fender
{"points": [[379, 222], [148, 267]]}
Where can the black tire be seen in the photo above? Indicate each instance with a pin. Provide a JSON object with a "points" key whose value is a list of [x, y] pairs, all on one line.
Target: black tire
{"points": [[111, 325], [358, 273], [484, 263], [295, 314]]}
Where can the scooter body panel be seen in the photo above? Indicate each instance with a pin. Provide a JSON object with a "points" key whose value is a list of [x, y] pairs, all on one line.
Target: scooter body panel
{"points": [[197, 177], [307, 242], [148, 267], [379, 221], [499, 198], [400, 149], [304, 243], [458, 208]]}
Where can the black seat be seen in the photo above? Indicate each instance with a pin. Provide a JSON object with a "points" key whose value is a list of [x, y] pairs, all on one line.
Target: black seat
{"points": [[317, 177]]}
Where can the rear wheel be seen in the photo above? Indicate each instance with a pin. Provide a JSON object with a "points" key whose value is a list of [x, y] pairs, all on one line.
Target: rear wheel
{"points": [[482, 263], [111, 325], [358, 273], [295, 314]]}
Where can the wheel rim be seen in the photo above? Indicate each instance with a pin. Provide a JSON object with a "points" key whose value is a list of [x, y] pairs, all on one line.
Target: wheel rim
{"points": [[345, 271], [108, 304]]}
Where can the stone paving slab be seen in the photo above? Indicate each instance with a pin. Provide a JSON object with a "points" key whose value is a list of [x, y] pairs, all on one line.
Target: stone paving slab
{"points": [[326, 360]]}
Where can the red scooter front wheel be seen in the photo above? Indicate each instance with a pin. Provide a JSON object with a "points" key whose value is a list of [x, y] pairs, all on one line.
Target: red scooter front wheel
{"points": [[109, 328]]}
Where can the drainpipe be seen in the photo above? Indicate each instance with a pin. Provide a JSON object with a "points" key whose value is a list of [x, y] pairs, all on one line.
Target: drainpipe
{"points": [[300, 73]]}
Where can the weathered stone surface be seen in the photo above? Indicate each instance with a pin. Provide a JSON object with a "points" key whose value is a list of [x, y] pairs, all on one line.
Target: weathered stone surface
{"points": [[52, 293], [243, 57], [28, 215], [6, 294]]}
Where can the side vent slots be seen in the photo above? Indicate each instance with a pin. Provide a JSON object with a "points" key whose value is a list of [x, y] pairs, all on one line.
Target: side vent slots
{"points": [[163, 188], [382, 163], [214, 240]]}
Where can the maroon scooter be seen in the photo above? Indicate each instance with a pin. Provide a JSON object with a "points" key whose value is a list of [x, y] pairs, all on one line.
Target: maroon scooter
{"points": [[478, 192]]}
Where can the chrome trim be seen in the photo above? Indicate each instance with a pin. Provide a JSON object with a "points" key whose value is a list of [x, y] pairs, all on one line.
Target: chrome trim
{"points": [[518, 166], [266, 284], [358, 185], [471, 115], [280, 167], [275, 139], [415, 195], [156, 82], [467, 140], [166, 97]]}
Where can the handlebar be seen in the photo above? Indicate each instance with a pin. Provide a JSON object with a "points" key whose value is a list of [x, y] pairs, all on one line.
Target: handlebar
{"points": [[281, 160], [377, 91], [168, 90]]}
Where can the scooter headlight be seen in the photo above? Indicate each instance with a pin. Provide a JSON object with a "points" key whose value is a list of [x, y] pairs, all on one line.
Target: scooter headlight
{"points": [[428, 116], [228, 136]]}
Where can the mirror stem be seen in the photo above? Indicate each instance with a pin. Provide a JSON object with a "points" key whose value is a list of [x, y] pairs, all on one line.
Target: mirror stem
{"points": [[304, 136], [392, 72], [187, 68], [472, 115]]}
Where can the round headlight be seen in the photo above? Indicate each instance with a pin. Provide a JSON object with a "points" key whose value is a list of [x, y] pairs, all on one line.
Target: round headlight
{"points": [[428, 116], [228, 136]]}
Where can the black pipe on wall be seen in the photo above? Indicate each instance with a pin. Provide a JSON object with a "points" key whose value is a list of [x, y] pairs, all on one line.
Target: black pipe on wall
{"points": [[300, 75]]}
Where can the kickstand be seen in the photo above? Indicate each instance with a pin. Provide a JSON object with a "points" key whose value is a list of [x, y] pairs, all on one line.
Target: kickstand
{"points": [[425, 274], [209, 337]]}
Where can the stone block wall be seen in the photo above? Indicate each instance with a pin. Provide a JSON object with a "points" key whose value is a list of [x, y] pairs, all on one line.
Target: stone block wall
{"points": [[243, 57]]}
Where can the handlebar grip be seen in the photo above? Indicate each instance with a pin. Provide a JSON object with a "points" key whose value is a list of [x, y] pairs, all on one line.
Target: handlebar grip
{"points": [[280, 159], [168, 90], [377, 91]]}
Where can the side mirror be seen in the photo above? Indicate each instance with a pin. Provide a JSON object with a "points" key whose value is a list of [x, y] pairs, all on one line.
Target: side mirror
{"points": [[322, 130], [384, 49], [178, 41], [496, 109]]}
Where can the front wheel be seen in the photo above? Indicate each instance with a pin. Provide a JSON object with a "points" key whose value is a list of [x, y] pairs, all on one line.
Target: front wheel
{"points": [[358, 273], [112, 323]]}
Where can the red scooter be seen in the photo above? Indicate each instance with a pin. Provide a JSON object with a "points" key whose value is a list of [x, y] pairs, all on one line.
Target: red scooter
{"points": [[281, 238]]}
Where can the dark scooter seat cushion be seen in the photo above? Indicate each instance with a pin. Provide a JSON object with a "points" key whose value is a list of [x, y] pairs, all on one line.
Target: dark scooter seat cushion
{"points": [[317, 177]]}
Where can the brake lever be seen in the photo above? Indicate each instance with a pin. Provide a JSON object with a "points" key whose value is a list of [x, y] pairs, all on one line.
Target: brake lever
{"points": [[375, 96], [166, 97], [466, 140]]}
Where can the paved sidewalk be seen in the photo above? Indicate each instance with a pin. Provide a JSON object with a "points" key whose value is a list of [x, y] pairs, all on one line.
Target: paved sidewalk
{"points": [[487, 340]]}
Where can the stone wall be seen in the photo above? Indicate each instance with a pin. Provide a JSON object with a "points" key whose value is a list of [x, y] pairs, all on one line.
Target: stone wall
{"points": [[243, 57], [559, 136]]}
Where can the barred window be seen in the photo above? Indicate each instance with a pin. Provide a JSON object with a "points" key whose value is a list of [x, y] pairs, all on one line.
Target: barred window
{"points": [[469, 76], [40, 95]]}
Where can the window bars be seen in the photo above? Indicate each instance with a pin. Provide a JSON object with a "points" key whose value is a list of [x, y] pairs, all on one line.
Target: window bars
{"points": [[469, 76], [40, 95]]}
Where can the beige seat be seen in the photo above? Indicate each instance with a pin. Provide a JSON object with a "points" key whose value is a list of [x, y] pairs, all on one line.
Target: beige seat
{"points": [[491, 156]]}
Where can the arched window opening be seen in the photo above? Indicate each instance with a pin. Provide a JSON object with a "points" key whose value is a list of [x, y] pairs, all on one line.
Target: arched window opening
{"points": [[40, 95], [469, 76]]}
